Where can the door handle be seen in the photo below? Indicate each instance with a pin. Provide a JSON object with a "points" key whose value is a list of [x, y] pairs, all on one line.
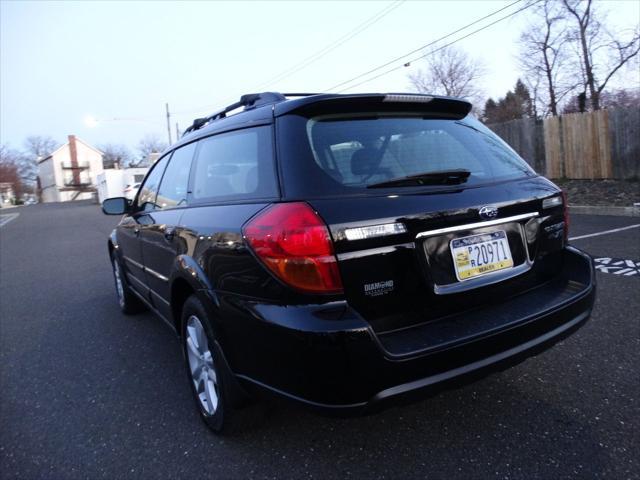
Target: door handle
{"points": [[169, 233], [136, 231]]}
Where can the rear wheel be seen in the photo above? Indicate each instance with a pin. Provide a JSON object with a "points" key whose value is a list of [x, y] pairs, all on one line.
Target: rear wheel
{"points": [[205, 367], [128, 301]]}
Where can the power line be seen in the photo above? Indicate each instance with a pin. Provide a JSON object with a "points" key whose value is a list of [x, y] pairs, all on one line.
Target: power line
{"points": [[439, 48], [337, 43], [426, 46], [366, 24], [322, 52]]}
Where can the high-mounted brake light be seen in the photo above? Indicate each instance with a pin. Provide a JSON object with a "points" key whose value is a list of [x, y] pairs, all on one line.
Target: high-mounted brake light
{"points": [[398, 98], [294, 243]]}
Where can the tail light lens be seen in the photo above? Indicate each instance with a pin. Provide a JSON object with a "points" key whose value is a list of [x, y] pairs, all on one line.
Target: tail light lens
{"points": [[294, 243], [565, 210]]}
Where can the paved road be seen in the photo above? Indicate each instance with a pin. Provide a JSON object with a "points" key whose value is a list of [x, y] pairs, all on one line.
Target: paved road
{"points": [[88, 393]]}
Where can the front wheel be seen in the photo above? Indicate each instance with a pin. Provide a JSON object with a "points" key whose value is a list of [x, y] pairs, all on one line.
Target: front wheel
{"points": [[127, 300]]}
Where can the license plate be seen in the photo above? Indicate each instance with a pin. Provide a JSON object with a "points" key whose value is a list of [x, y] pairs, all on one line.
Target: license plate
{"points": [[480, 254]]}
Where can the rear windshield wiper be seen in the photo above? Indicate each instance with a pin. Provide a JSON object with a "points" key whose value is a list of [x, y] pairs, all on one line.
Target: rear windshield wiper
{"points": [[440, 177]]}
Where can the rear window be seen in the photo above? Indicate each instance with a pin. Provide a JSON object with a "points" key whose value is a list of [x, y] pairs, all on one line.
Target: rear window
{"points": [[351, 152]]}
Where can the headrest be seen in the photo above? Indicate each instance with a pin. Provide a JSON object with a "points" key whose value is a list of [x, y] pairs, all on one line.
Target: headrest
{"points": [[365, 161], [224, 169], [251, 180]]}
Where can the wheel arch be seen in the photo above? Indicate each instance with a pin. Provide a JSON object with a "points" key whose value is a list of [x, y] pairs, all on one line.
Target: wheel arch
{"points": [[181, 290], [112, 243], [188, 279]]}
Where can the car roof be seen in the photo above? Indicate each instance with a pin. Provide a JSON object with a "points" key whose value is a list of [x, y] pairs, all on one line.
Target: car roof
{"points": [[262, 108], [260, 115]]}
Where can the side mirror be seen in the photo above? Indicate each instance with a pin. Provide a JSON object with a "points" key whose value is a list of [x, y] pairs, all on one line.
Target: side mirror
{"points": [[116, 206]]}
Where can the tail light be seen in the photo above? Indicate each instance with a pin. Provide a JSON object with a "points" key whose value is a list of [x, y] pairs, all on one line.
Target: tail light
{"points": [[565, 211], [294, 243]]}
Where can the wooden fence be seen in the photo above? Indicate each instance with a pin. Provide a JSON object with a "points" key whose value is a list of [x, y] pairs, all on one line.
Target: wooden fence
{"points": [[602, 144], [526, 137]]}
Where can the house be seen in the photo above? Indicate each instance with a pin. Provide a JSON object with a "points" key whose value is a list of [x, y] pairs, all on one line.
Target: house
{"points": [[70, 172], [6, 192]]}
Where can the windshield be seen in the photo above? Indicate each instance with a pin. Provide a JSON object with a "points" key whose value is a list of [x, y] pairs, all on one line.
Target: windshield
{"points": [[354, 152]]}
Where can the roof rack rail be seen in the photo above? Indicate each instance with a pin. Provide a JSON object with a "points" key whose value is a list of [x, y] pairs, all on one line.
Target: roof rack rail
{"points": [[249, 101], [300, 94]]}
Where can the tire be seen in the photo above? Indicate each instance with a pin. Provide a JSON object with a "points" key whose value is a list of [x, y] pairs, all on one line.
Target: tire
{"points": [[127, 300], [209, 378]]}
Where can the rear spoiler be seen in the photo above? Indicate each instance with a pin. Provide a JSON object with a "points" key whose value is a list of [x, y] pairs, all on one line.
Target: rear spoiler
{"points": [[432, 105]]}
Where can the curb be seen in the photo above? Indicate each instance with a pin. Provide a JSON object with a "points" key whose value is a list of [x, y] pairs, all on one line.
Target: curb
{"points": [[633, 211]]}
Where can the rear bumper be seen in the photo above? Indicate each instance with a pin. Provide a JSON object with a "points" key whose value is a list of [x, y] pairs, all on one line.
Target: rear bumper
{"points": [[328, 358]]}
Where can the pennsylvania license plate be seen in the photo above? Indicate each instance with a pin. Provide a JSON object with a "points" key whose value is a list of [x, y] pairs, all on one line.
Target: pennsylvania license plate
{"points": [[480, 254]]}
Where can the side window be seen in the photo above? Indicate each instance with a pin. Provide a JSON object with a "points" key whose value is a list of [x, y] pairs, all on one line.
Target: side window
{"points": [[149, 189], [173, 188], [235, 165]]}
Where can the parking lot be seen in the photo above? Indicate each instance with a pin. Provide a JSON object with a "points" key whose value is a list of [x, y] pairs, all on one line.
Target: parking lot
{"points": [[89, 393]]}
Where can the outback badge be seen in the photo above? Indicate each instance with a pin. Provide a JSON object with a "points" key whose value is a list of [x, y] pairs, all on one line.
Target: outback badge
{"points": [[488, 212]]}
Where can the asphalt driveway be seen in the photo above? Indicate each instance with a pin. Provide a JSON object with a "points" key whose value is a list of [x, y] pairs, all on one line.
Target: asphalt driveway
{"points": [[86, 392]]}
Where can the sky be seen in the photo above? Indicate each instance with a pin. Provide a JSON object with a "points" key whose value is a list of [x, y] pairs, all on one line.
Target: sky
{"points": [[120, 62]]}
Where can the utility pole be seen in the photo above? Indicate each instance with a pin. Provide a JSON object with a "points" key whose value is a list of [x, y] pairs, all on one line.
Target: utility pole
{"points": [[168, 123]]}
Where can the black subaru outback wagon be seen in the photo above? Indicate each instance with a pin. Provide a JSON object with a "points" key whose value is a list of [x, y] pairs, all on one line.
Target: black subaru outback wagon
{"points": [[346, 251]]}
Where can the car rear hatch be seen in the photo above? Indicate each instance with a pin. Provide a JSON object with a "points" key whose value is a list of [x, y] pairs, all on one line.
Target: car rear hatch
{"points": [[430, 213]]}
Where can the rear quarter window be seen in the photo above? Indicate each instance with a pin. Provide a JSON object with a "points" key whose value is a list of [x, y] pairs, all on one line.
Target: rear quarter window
{"points": [[235, 166]]}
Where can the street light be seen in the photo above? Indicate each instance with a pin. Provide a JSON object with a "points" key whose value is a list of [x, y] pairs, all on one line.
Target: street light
{"points": [[92, 122]]}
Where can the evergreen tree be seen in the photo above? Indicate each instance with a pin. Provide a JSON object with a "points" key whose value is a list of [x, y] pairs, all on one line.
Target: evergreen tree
{"points": [[515, 104]]}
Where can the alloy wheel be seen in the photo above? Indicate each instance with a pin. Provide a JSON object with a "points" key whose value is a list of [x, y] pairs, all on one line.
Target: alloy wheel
{"points": [[119, 286], [201, 366]]}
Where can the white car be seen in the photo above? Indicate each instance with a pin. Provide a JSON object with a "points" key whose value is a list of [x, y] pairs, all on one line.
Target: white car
{"points": [[131, 190]]}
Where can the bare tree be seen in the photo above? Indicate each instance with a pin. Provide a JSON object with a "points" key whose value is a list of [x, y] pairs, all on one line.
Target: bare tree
{"points": [[40, 145], [621, 99], [115, 154], [9, 169], [601, 53], [148, 145], [544, 56], [452, 72], [36, 147]]}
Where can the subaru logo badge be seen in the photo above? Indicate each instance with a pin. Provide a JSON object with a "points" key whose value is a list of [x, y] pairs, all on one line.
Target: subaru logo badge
{"points": [[488, 212]]}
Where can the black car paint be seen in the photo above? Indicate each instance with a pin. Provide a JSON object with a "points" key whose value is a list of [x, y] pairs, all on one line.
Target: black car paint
{"points": [[333, 351]]}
